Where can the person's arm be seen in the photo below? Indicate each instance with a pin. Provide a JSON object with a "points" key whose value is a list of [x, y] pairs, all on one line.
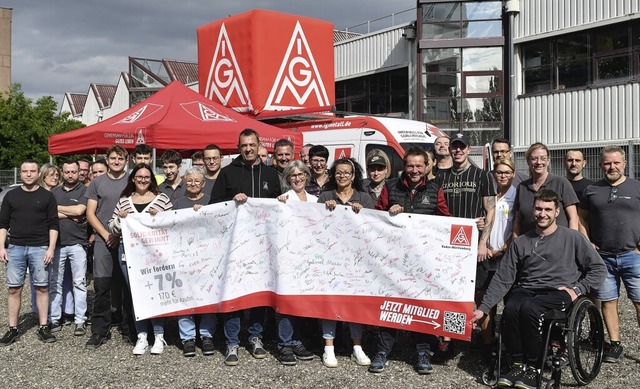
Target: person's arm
{"points": [[572, 217], [489, 203], [3, 240], [72, 211], [54, 226], [443, 208], [49, 254], [583, 215], [94, 222]]}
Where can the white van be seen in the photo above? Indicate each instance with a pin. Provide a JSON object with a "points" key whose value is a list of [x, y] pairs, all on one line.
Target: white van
{"points": [[355, 136]]}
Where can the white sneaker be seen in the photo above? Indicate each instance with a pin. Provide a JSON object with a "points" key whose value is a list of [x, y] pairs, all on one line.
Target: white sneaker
{"points": [[142, 345], [359, 357], [329, 358], [158, 345]]}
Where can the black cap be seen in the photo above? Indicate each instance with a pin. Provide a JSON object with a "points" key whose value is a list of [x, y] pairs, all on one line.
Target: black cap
{"points": [[376, 160], [460, 137]]}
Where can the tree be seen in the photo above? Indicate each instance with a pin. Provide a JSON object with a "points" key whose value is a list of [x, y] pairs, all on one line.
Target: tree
{"points": [[25, 127]]}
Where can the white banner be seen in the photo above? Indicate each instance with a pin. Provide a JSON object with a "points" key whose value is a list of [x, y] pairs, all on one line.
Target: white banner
{"points": [[302, 259]]}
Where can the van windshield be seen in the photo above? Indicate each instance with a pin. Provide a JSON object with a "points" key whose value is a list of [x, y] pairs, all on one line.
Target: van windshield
{"points": [[425, 146]]}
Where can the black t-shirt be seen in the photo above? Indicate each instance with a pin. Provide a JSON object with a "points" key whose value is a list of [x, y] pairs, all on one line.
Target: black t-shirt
{"points": [[614, 218], [30, 216], [465, 190], [580, 185], [72, 231]]}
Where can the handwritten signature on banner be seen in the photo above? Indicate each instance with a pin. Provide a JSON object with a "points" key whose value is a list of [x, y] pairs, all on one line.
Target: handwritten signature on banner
{"points": [[185, 259]]}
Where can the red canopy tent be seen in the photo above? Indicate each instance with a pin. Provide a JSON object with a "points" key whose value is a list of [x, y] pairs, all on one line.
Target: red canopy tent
{"points": [[175, 117]]}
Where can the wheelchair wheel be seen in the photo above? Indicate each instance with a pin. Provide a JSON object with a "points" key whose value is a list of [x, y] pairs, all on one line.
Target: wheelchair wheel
{"points": [[585, 341], [489, 377]]}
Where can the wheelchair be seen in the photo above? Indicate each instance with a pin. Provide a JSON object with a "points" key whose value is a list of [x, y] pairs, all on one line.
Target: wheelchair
{"points": [[574, 338]]}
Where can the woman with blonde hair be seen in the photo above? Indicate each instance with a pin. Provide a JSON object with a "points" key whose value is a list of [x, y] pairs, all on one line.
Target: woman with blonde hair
{"points": [[49, 176]]}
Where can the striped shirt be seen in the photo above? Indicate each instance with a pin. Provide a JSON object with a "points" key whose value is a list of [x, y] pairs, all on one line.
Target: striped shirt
{"points": [[160, 203], [465, 190]]}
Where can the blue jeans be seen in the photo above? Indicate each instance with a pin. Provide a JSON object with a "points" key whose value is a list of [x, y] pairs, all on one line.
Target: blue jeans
{"points": [[21, 257], [77, 259], [287, 326], [233, 320], [329, 329], [625, 267], [187, 326]]}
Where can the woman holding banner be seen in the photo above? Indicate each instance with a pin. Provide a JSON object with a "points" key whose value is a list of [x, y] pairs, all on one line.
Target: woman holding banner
{"points": [[344, 187], [141, 195]]}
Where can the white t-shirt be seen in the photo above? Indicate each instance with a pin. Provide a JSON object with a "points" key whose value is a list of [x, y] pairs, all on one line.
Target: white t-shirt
{"points": [[293, 196], [503, 221]]}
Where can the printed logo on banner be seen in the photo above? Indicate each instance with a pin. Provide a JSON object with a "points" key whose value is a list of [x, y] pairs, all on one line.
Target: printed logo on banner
{"points": [[140, 138], [342, 153], [225, 78], [204, 112], [141, 113], [298, 76], [460, 235]]}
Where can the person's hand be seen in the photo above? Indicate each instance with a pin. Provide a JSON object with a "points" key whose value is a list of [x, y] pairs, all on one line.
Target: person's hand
{"points": [[48, 256], [480, 223], [196, 207], [240, 198], [153, 211], [571, 292], [483, 252], [3, 255], [356, 207], [112, 241], [395, 209], [283, 198], [331, 205], [476, 316], [122, 214]]}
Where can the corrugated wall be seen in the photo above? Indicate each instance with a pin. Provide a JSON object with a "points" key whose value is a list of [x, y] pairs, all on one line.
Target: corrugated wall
{"points": [[373, 52], [599, 114], [544, 16]]}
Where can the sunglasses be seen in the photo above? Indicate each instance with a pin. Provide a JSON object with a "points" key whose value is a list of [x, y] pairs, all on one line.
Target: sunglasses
{"points": [[613, 194]]}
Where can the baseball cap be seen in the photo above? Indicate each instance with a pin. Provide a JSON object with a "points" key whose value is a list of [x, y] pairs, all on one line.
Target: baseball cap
{"points": [[376, 160], [460, 137]]}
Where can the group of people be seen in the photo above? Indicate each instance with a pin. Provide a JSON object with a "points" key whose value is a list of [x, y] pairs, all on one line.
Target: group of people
{"points": [[534, 238]]}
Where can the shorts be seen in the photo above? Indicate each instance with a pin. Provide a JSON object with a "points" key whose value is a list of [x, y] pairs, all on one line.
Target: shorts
{"points": [[625, 267], [21, 257]]}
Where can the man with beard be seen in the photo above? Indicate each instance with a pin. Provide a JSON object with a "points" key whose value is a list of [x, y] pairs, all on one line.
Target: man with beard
{"points": [[610, 212], [283, 154], [442, 154], [574, 163]]}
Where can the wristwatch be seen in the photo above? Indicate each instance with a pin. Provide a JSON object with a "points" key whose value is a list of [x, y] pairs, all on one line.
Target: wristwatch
{"points": [[577, 290]]}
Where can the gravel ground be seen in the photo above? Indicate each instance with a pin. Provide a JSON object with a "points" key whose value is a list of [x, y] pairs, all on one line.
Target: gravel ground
{"points": [[29, 363]]}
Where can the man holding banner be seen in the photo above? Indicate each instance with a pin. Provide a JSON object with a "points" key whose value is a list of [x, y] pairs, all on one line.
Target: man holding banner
{"points": [[410, 193]]}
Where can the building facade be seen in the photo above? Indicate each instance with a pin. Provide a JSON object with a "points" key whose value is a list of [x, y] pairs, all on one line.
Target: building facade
{"points": [[5, 50]]}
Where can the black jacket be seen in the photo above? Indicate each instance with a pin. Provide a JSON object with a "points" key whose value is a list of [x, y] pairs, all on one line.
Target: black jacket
{"points": [[257, 181]]}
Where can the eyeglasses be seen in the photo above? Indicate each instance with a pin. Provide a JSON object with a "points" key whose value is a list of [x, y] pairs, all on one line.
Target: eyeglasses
{"points": [[211, 159], [143, 178], [613, 194], [502, 173], [298, 176], [538, 159], [344, 174], [501, 151], [193, 182]]}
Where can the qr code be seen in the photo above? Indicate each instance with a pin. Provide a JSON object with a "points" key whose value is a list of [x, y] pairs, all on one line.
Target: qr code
{"points": [[454, 322]]}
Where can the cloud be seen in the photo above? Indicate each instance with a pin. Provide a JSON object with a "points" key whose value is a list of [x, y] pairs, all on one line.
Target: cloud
{"points": [[64, 45]]}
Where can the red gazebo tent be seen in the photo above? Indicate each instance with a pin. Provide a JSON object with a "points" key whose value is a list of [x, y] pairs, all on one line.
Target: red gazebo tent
{"points": [[175, 117]]}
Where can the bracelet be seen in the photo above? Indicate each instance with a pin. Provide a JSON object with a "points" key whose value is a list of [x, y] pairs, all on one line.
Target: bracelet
{"points": [[577, 290]]}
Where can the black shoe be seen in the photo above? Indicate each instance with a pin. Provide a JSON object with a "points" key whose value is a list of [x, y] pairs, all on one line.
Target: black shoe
{"points": [[96, 340], [379, 363], [207, 346], [45, 335], [10, 336], [81, 329], [529, 379], [286, 356], [509, 379], [302, 353], [424, 363], [189, 348], [55, 326], [612, 353], [67, 319], [257, 349]]}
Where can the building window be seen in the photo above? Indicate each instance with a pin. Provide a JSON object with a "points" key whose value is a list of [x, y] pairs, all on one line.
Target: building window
{"points": [[462, 19], [380, 93], [598, 56]]}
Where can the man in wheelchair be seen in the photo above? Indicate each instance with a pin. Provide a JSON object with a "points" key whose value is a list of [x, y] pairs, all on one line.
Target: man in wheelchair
{"points": [[544, 269]]}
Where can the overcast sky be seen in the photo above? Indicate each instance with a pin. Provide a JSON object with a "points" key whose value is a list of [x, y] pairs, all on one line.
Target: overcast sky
{"points": [[64, 45]]}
